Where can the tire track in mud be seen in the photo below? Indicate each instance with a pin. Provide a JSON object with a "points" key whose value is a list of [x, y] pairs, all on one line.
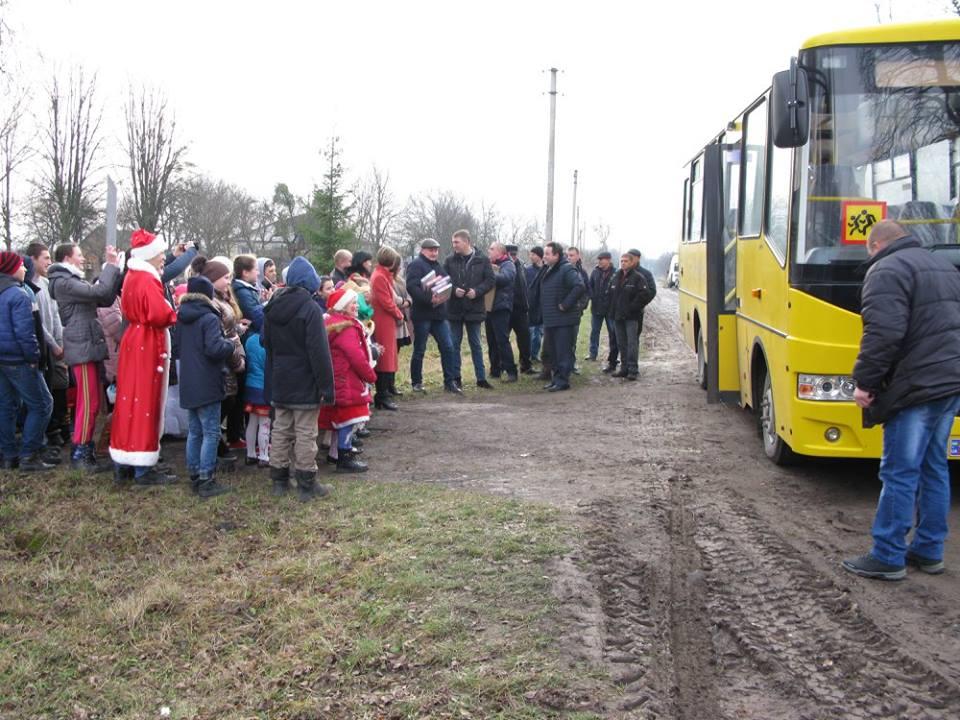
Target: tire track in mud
{"points": [[784, 629]]}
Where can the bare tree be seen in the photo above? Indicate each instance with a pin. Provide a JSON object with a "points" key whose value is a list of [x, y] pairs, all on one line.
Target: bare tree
{"points": [[523, 233], [14, 151], [437, 216], [955, 6], [64, 204], [154, 153], [206, 212], [376, 214], [602, 231], [489, 226], [287, 215]]}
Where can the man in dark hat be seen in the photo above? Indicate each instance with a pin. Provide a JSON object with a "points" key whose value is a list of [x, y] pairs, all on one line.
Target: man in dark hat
{"points": [[429, 315], [599, 310], [631, 290]]}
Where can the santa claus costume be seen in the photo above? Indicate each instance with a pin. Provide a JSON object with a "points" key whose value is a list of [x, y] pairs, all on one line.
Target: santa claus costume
{"points": [[143, 369]]}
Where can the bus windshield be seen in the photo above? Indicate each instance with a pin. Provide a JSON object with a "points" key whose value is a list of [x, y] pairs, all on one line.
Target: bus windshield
{"points": [[884, 129]]}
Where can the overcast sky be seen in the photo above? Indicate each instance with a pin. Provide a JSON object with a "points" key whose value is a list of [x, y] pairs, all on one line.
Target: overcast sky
{"points": [[447, 95]]}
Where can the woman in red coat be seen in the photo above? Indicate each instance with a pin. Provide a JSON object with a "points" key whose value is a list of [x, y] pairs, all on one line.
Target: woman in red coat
{"points": [[352, 371], [386, 315], [143, 368]]}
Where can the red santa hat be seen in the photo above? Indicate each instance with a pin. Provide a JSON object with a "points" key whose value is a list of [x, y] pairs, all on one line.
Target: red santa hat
{"points": [[339, 299], [145, 245]]}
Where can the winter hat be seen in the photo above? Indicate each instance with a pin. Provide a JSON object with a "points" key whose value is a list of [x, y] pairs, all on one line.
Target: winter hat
{"points": [[200, 284], [145, 245], [212, 270], [538, 251], [301, 274], [604, 255], [10, 262], [339, 299], [634, 252]]}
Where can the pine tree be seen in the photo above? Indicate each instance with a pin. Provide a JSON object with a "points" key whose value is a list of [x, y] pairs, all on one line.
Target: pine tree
{"points": [[329, 227]]}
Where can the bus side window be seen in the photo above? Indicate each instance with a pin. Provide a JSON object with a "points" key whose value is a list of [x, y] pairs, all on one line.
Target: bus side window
{"points": [[696, 202], [685, 227], [754, 166]]}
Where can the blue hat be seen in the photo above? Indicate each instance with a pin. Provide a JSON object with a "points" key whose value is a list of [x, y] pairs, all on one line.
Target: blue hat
{"points": [[302, 274], [199, 284]]}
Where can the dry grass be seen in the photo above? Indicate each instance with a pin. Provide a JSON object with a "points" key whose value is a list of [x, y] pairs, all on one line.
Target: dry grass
{"points": [[390, 601]]}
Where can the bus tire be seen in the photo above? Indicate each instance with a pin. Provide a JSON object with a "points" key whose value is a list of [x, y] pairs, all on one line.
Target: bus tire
{"points": [[701, 361], [774, 446]]}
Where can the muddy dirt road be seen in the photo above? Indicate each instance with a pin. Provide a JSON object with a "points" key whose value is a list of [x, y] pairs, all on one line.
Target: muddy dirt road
{"points": [[705, 580]]}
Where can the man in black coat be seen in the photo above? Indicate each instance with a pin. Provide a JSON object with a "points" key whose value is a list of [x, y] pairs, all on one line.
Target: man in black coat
{"points": [[599, 310], [298, 378], [907, 377], [561, 290], [520, 317], [472, 276], [575, 259], [429, 315], [631, 289], [534, 273]]}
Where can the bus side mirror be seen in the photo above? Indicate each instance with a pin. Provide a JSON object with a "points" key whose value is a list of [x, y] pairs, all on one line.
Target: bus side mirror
{"points": [[790, 107]]}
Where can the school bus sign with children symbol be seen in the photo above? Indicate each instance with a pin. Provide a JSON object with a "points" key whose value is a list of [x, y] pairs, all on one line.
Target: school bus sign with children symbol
{"points": [[859, 217]]}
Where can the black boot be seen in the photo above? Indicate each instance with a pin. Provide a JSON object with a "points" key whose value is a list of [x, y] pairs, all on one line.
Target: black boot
{"points": [[307, 485], [78, 455], [392, 385], [91, 463], [153, 477], [34, 463], [348, 463], [209, 487], [194, 484], [281, 480], [122, 474], [383, 402]]}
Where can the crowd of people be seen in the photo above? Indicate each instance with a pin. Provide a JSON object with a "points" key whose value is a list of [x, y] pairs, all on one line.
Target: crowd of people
{"points": [[272, 363]]}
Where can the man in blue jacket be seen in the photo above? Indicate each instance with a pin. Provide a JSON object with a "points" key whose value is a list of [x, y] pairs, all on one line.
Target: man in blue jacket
{"points": [[20, 377], [907, 377], [498, 319], [561, 290], [429, 315]]}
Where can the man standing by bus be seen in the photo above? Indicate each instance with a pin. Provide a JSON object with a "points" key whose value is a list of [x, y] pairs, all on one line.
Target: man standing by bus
{"points": [[908, 378]]}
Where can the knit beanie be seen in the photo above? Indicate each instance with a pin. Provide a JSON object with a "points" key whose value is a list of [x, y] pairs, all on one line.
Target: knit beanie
{"points": [[201, 285], [10, 262], [212, 270]]}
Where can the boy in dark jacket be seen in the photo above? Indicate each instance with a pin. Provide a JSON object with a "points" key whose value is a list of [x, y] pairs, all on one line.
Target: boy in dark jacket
{"points": [[203, 352], [20, 377], [297, 380], [472, 276], [631, 290], [429, 315]]}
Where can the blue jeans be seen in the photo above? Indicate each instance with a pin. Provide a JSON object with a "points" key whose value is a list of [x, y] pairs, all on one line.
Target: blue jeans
{"points": [[203, 436], [476, 348], [23, 384], [536, 340], [440, 330], [916, 482], [597, 323]]}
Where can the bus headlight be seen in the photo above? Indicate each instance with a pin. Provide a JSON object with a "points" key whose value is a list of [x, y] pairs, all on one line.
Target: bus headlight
{"points": [[832, 388]]}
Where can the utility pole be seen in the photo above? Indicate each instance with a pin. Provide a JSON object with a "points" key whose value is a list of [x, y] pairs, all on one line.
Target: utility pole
{"points": [[551, 154], [575, 213]]}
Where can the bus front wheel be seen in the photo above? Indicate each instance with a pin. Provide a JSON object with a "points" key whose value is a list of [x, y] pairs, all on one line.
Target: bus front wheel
{"points": [[701, 361], [773, 445]]}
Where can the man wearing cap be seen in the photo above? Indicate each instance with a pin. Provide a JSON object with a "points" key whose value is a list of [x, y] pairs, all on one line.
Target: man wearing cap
{"points": [[520, 317], [143, 367], [298, 378], [20, 378], [631, 290], [84, 344], [429, 315], [599, 310], [534, 272]]}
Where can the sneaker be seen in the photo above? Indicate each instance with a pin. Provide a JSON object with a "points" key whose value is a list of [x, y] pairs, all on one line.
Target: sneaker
{"points": [[453, 388], [34, 463], [558, 388], [51, 456], [608, 369], [591, 358], [154, 477], [484, 384], [869, 567], [549, 386], [209, 487], [927, 565], [509, 379], [362, 433], [418, 388]]}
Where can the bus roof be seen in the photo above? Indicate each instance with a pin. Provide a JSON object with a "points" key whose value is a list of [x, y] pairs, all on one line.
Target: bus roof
{"points": [[929, 31]]}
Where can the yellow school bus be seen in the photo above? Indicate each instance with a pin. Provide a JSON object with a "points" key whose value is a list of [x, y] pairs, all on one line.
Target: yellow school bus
{"points": [[865, 125]]}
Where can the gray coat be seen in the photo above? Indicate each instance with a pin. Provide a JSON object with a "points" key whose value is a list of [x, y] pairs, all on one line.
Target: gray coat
{"points": [[77, 301]]}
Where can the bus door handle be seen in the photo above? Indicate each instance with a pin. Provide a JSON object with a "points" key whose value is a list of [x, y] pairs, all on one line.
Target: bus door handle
{"points": [[757, 293]]}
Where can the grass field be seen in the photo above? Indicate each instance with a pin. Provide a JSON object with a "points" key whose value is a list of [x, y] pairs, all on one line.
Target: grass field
{"points": [[384, 601]]}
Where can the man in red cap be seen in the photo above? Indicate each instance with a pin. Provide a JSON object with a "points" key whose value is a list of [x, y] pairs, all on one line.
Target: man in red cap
{"points": [[20, 378], [144, 367]]}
